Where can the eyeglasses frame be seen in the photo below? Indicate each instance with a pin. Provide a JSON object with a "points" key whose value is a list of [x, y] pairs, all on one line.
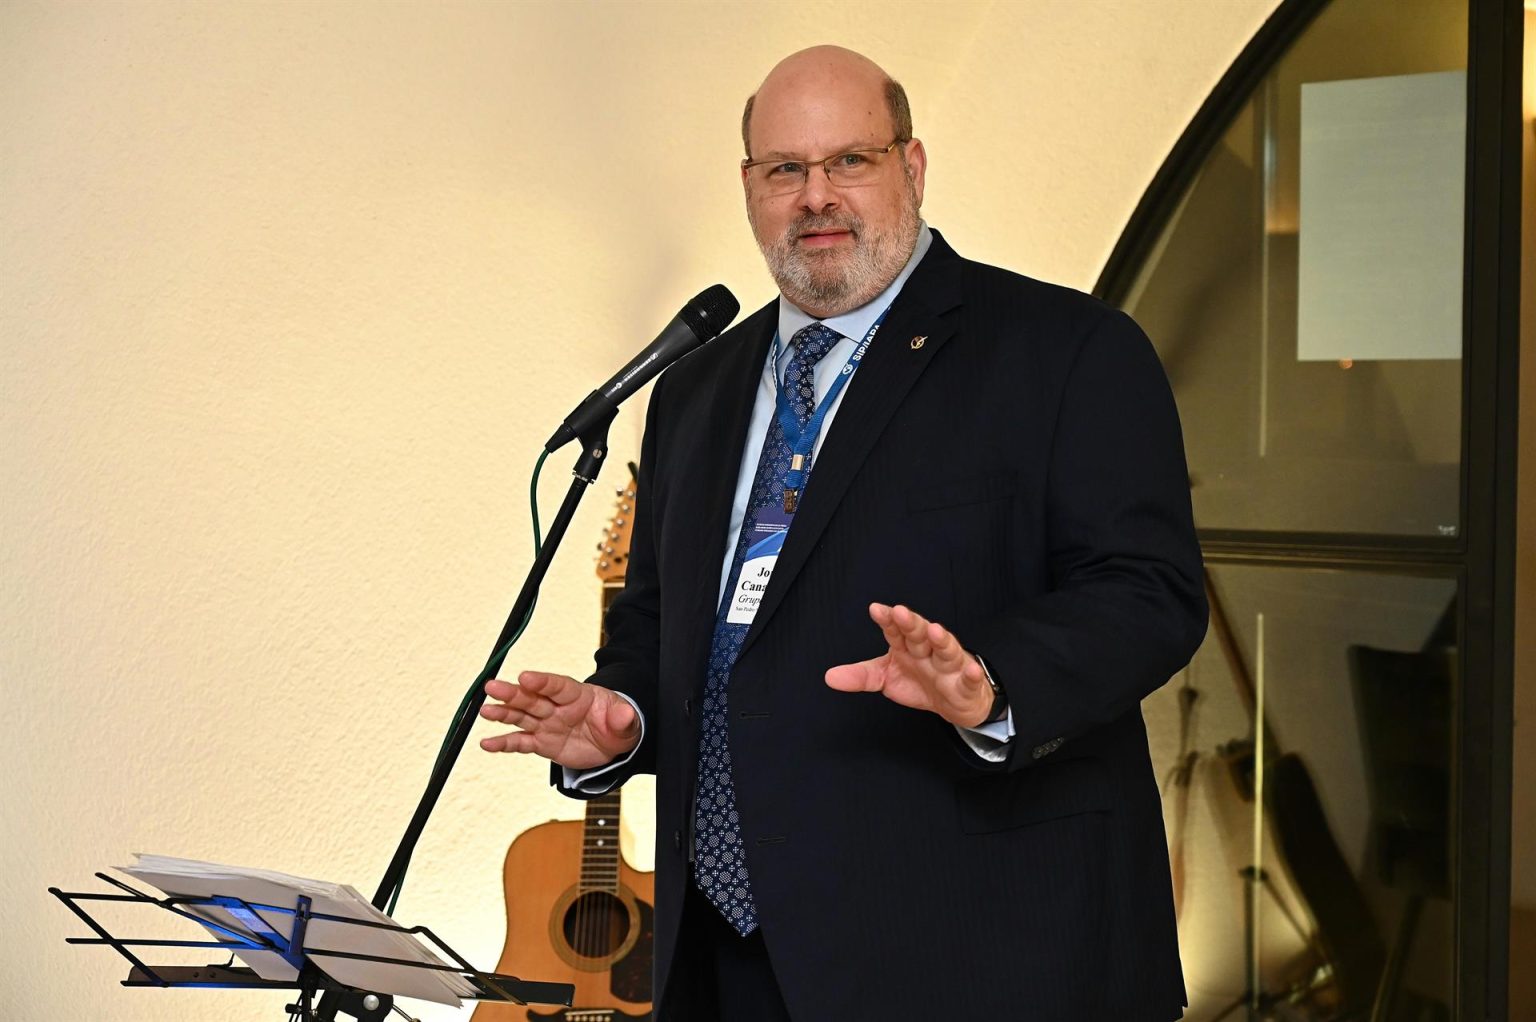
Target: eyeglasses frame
{"points": [[747, 164]]}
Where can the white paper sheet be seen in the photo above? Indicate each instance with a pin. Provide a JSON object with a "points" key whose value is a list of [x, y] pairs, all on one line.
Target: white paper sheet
{"points": [[193, 878]]}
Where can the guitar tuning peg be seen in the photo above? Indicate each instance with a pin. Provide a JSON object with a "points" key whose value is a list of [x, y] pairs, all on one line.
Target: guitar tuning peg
{"points": [[619, 522]]}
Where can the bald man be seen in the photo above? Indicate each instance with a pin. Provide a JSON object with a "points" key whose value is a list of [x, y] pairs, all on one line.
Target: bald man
{"points": [[911, 544]]}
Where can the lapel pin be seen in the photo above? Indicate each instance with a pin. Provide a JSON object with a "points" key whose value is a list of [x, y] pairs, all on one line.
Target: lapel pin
{"points": [[917, 342]]}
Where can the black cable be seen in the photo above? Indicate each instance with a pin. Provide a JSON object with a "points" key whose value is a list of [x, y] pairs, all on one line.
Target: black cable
{"points": [[492, 665]]}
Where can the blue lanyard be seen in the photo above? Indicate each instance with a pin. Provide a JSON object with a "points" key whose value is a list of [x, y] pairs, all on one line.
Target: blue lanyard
{"points": [[803, 441]]}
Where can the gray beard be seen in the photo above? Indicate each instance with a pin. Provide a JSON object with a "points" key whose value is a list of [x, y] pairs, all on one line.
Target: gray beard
{"points": [[813, 280]]}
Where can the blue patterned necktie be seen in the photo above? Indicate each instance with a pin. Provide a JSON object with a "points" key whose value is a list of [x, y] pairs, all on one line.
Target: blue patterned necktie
{"points": [[720, 867]]}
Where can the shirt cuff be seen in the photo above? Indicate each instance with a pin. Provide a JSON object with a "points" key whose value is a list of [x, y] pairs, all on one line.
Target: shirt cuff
{"points": [[599, 780], [990, 740]]}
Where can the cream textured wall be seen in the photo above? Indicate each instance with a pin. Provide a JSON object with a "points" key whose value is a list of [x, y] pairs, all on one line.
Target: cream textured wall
{"points": [[289, 295]]}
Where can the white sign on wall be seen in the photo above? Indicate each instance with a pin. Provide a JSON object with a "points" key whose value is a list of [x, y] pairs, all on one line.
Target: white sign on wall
{"points": [[1382, 200]]}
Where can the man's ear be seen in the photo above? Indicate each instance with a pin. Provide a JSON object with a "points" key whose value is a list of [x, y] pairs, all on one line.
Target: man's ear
{"points": [[917, 166]]}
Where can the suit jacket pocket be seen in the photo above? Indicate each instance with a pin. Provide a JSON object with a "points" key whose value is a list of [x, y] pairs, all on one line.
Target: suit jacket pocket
{"points": [[965, 490], [1002, 801]]}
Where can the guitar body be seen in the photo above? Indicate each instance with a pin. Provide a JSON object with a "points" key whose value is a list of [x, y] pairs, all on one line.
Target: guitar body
{"points": [[561, 929]]}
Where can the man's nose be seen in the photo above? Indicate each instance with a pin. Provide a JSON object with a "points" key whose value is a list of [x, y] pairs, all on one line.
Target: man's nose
{"points": [[818, 194]]}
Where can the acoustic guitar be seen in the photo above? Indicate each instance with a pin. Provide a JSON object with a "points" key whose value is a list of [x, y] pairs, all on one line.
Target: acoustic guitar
{"points": [[576, 911]]}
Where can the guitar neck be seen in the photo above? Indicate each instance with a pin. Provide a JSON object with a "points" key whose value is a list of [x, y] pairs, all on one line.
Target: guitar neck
{"points": [[600, 831], [600, 844]]}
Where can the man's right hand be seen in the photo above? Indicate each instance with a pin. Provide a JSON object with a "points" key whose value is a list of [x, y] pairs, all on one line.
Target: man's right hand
{"points": [[576, 725]]}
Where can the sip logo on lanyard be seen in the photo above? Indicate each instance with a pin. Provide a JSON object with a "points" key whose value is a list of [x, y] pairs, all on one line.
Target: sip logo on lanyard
{"points": [[770, 525]]}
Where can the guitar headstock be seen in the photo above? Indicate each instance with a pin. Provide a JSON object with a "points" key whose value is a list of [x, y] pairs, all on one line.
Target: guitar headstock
{"points": [[613, 549]]}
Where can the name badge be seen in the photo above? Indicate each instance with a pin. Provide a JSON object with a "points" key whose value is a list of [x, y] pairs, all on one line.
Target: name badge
{"points": [[767, 533]]}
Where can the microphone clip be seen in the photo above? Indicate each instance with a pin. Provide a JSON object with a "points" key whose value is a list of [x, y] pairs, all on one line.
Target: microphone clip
{"points": [[594, 449]]}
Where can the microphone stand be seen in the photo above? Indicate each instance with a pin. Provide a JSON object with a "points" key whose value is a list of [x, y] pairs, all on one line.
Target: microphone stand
{"points": [[594, 450]]}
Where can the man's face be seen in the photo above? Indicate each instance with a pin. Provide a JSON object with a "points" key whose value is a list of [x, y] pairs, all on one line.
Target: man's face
{"points": [[830, 248]]}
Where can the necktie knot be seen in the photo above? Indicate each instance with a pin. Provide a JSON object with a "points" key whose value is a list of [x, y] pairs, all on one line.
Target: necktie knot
{"points": [[810, 345]]}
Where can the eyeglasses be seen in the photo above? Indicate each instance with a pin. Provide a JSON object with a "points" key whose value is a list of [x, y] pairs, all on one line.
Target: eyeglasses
{"points": [[851, 169]]}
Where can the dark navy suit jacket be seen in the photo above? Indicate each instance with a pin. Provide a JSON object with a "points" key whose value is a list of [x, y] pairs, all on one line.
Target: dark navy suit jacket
{"points": [[1007, 461]]}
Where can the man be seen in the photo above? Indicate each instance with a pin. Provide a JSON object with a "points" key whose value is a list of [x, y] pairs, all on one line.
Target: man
{"points": [[901, 767]]}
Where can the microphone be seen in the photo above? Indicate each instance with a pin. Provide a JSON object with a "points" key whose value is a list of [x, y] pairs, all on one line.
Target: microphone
{"points": [[710, 312]]}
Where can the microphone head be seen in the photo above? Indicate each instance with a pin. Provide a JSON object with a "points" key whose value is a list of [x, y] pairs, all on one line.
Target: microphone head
{"points": [[710, 311]]}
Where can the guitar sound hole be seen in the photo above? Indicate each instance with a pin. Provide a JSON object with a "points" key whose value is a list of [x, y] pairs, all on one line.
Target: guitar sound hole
{"points": [[596, 924]]}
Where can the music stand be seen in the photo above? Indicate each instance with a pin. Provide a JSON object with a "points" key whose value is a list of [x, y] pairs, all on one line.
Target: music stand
{"points": [[261, 936]]}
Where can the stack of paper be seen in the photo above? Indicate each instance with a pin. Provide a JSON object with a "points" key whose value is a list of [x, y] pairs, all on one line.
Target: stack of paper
{"points": [[191, 878]]}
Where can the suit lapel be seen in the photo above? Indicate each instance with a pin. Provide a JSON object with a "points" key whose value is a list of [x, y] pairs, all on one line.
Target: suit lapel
{"points": [[892, 365], [724, 434]]}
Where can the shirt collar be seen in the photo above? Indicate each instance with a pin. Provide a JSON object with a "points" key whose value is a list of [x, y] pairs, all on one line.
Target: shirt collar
{"points": [[856, 323]]}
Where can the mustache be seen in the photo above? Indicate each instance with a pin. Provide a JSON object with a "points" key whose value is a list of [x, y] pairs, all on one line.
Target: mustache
{"points": [[808, 223]]}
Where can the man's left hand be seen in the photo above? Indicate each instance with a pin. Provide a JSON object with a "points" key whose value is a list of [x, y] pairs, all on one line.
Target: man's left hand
{"points": [[925, 668]]}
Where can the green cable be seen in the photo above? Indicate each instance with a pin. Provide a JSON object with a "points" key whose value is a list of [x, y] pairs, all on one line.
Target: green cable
{"points": [[497, 656]]}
